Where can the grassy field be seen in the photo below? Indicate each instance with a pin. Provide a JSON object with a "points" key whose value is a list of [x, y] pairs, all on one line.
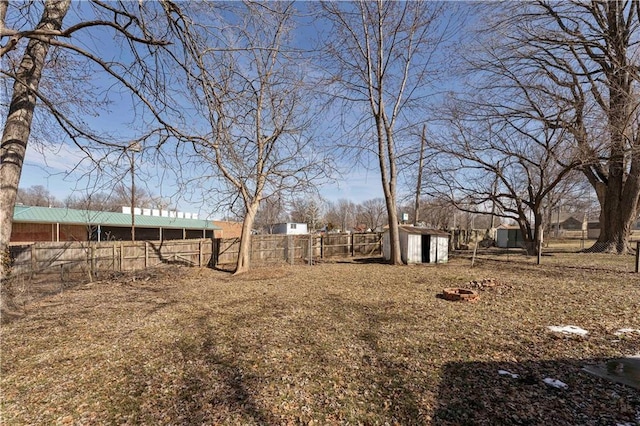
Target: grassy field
{"points": [[334, 343]]}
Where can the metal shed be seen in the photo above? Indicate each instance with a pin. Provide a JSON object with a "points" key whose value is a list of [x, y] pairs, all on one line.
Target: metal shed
{"points": [[419, 245], [509, 236]]}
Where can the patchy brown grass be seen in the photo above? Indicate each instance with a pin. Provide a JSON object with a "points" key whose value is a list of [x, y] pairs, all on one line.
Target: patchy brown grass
{"points": [[335, 343]]}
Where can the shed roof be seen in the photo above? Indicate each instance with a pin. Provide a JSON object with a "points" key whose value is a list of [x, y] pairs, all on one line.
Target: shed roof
{"points": [[422, 231], [505, 226], [31, 214]]}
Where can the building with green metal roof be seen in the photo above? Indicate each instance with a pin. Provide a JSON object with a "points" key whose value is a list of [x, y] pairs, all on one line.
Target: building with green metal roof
{"points": [[32, 224]]}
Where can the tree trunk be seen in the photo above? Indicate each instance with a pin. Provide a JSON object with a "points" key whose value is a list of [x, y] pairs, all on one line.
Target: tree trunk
{"points": [[532, 233], [244, 252], [620, 208], [388, 175], [18, 128]]}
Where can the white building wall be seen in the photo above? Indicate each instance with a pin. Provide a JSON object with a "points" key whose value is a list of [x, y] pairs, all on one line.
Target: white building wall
{"points": [[411, 247], [290, 228], [442, 248], [414, 248]]}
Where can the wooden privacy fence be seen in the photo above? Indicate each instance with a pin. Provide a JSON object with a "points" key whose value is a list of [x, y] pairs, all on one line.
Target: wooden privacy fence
{"points": [[118, 256], [93, 257], [291, 248]]}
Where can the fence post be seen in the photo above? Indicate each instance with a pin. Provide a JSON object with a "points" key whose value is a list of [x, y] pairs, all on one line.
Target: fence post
{"points": [[93, 260], [200, 254], [638, 257], [321, 247], [215, 251], [146, 254], [352, 240], [114, 256], [121, 257], [290, 249], [34, 261]]}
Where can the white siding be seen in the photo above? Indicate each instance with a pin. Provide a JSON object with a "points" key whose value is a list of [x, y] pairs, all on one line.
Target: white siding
{"points": [[386, 249], [297, 229], [442, 249], [290, 228], [414, 248], [411, 247]]}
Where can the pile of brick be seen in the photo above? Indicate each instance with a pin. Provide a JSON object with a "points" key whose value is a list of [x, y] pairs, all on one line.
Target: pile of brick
{"points": [[460, 294]]}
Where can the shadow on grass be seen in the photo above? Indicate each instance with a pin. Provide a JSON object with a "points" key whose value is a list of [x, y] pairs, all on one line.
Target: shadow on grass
{"points": [[365, 380], [214, 386], [474, 393]]}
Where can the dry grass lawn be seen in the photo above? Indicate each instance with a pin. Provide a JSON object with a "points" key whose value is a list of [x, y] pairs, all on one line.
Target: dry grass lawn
{"points": [[335, 343]]}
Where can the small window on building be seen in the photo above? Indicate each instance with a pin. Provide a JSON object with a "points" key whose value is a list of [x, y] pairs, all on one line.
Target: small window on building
{"points": [[293, 226]]}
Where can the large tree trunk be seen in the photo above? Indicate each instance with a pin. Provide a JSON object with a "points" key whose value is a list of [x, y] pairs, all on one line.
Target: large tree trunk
{"points": [[533, 235], [244, 252], [619, 208], [17, 129]]}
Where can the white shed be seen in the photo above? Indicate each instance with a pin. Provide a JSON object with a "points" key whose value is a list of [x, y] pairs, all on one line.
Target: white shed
{"points": [[419, 245], [290, 228]]}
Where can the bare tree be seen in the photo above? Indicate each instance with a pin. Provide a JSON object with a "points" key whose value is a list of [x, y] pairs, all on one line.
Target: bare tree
{"points": [[380, 58], [37, 195], [271, 212], [372, 213], [435, 212], [341, 215], [512, 163], [587, 52], [40, 57], [18, 123], [115, 200], [307, 210], [250, 88]]}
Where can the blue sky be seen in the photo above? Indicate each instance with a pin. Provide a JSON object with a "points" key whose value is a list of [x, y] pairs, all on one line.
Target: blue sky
{"points": [[52, 169], [61, 168]]}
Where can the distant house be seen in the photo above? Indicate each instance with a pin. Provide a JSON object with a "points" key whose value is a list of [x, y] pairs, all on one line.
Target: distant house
{"points": [[32, 224], [419, 245], [290, 228], [509, 236], [567, 225]]}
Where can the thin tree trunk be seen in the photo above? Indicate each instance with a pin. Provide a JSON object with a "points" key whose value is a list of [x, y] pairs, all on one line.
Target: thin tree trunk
{"points": [[18, 128], [423, 142]]}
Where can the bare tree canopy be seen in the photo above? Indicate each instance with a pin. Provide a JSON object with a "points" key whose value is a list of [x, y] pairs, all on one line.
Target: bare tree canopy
{"points": [[250, 86], [580, 59], [380, 58], [373, 214], [341, 215], [308, 210]]}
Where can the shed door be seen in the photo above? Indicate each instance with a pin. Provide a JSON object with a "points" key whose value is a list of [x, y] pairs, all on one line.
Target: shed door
{"points": [[426, 248]]}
